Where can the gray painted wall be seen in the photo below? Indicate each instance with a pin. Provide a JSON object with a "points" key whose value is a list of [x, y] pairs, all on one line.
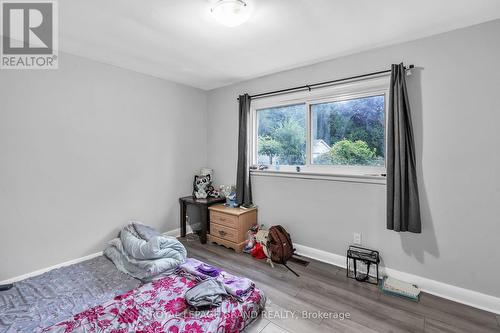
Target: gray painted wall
{"points": [[85, 148], [456, 114]]}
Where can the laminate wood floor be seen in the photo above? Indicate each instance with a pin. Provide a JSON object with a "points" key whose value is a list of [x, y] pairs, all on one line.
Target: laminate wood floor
{"points": [[323, 288]]}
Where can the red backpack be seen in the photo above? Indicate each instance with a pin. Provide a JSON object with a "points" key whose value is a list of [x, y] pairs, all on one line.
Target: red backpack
{"points": [[279, 245]]}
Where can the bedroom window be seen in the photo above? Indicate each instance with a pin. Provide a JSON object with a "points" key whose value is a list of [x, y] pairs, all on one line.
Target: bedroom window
{"points": [[349, 132], [337, 130], [281, 135]]}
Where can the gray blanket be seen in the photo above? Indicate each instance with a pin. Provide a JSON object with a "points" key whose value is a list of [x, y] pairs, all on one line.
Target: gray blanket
{"points": [[207, 293], [148, 257], [145, 231]]}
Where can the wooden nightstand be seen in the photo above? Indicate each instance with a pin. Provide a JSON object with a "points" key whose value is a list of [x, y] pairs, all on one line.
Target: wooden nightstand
{"points": [[228, 226]]}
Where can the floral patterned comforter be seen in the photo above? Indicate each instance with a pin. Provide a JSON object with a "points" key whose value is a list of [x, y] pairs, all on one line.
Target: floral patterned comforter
{"points": [[159, 307]]}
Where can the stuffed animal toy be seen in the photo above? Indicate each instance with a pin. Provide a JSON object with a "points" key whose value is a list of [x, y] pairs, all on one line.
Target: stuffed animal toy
{"points": [[250, 240], [262, 238], [201, 186], [211, 191]]}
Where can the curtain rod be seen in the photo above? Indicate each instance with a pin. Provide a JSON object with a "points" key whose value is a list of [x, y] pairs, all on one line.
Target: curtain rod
{"points": [[320, 84]]}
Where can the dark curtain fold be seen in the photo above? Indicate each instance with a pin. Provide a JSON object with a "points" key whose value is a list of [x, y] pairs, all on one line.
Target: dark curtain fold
{"points": [[243, 186], [403, 206]]}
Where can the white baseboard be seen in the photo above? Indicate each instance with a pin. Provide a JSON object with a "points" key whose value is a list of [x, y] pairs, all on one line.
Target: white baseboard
{"points": [[44, 270], [444, 290], [173, 233], [177, 232]]}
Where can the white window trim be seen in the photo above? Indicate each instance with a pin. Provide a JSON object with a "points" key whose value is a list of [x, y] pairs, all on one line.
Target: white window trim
{"points": [[346, 178], [354, 89]]}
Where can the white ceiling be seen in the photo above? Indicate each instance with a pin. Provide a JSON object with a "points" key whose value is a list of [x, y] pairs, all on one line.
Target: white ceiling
{"points": [[178, 40]]}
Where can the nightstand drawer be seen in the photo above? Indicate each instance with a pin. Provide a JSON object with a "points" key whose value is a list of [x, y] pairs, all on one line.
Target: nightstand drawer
{"points": [[224, 219], [224, 232]]}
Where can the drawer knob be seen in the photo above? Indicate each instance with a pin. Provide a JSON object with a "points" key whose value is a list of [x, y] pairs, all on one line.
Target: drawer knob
{"points": [[222, 233]]}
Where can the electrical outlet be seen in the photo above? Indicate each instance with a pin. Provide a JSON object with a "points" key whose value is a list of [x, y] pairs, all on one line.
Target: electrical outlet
{"points": [[356, 238]]}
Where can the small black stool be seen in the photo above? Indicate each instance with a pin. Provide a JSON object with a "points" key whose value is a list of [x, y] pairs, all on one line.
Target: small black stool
{"points": [[356, 254]]}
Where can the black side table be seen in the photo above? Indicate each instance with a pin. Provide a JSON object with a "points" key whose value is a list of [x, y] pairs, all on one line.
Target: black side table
{"points": [[203, 205]]}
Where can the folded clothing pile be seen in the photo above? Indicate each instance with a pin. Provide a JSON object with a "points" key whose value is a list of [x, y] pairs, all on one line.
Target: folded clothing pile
{"points": [[206, 294], [144, 253], [238, 287]]}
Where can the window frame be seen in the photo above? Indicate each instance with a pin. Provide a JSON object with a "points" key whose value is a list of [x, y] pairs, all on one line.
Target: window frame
{"points": [[375, 86]]}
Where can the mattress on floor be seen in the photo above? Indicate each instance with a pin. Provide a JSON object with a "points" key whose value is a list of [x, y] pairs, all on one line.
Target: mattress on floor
{"points": [[46, 299], [159, 306]]}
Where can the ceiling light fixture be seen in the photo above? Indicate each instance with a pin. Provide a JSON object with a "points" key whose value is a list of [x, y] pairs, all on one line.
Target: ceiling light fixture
{"points": [[231, 12]]}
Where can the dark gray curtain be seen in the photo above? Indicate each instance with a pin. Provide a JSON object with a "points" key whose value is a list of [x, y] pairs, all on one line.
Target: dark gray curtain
{"points": [[403, 207], [243, 186]]}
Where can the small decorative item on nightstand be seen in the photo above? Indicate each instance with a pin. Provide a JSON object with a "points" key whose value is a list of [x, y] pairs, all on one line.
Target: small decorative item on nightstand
{"points": [[229, 192], [201, 186], [229, 226]]}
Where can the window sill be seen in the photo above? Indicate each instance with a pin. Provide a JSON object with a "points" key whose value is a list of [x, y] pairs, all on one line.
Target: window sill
{"points": [[349, 178]]}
